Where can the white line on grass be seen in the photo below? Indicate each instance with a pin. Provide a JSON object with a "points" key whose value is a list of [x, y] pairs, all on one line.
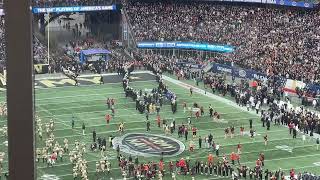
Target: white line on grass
{"points": [[75, 96], [117, 106], [102, 95], [60, 121], [143, 121], [160, 129], [92, 112]]}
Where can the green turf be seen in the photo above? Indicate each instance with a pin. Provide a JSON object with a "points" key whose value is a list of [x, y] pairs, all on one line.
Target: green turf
{"points": [[87, 104]]}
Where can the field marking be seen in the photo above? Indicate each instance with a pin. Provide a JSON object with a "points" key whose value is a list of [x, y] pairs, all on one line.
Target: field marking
{"points": [[201, 130], [98, 87], [117, 107], [60, 121], [316, 163], [105, 96], [92, 112], [85, 95], [159, 129], [143, 121]]}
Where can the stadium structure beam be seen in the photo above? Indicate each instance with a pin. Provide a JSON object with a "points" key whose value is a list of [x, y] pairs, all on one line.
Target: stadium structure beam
{"points": [[20, 92]]}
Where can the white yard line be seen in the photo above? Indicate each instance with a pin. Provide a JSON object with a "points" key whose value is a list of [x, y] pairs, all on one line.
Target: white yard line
{"points": [[104, 105], [60, 121], [92, 112], [75, 96], [143, 121], [160, 129]]}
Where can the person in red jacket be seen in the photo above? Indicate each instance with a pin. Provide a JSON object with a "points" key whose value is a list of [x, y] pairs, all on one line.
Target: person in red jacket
{"points": [[194, 132], [108, 118], [197, 114], [161, 166], [146, 169], [158, 121], [182, 164], [291, 126], [210, 158], [233, 157], [292, 174]]}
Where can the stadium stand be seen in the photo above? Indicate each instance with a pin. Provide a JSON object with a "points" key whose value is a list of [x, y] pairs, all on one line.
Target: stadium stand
{"points": [[275, 41], [2, 42], [282, 42]]}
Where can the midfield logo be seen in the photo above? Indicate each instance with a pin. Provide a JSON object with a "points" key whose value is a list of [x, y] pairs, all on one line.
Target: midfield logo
{"points": [[148, 145]]}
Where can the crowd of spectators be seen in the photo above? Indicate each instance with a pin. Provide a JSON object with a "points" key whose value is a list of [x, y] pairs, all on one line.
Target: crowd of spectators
{"points": [[69, 57], [2, 44], [40, 52], [284, 42], [39, 49]]}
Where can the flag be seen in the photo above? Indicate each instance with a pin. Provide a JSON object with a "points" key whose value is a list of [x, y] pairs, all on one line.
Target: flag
{"points": [[291, 85]]}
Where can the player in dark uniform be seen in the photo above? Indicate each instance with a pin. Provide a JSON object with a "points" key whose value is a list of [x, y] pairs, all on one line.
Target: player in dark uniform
{"points": [[211, 111], [72, 122], [83, 128], [226, 133], [148, 125], [76, 83], [265, 140], [250, 123], [232, 131], [101, 80], [251, 133]]}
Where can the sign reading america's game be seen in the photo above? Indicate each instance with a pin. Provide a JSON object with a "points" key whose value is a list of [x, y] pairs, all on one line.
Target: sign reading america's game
{"points": [[148, 145]]}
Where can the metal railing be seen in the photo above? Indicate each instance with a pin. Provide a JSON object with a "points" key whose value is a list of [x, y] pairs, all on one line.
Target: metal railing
{"points": [[130, 34]]}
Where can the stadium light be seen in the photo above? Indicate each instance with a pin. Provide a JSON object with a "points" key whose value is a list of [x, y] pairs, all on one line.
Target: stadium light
{"points": [[48, 38]]}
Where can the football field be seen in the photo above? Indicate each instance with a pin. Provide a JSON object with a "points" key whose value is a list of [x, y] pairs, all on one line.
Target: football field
{"points": [[87, 103]]}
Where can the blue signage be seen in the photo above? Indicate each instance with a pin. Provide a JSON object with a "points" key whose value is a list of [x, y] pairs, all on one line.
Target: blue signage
{"points": [[303, 4], [238, 72], [186, 45], [37, 10], [295, 3]]}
